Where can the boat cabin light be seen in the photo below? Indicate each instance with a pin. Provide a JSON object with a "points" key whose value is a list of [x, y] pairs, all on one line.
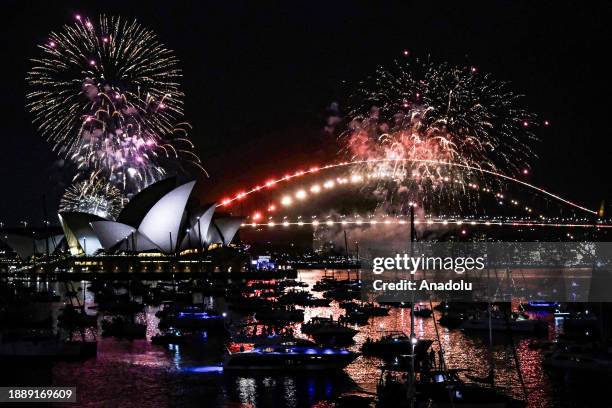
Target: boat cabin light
{"points": [[204, 369]]}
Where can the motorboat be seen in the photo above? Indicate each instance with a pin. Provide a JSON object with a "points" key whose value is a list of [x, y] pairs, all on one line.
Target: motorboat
{"points": [[422, 311], [393, 344], [540, 306], [288, 356], [194, 321], [343, 293], [280, 314], [355, 317], [302, 298], [177, 337], [373, 310], [327, 330], [517, 323]]}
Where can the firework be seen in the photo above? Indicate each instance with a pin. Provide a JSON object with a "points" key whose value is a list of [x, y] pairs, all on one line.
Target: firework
{"points": [[416, 116], [107, 96], [92, 196]]}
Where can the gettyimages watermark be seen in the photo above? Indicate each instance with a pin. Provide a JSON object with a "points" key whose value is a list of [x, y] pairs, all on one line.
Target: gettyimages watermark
{"points": [[490, 271]]}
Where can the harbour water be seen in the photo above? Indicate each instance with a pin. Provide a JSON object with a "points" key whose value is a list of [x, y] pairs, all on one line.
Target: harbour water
{"points": [[139, 373]]}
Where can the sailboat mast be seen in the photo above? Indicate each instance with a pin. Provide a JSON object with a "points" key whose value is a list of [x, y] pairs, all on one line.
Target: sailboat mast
{"points": [[411, 389]]}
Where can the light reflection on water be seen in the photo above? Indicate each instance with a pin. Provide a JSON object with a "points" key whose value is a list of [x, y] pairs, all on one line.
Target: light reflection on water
{"points": [[144, 374]]}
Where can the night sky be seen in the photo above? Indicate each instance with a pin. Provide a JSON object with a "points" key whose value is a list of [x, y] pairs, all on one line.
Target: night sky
{"points": [[258, 79]]}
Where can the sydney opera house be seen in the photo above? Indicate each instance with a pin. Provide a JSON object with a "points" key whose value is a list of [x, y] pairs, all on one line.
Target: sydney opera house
{"points": [[160, 220]]}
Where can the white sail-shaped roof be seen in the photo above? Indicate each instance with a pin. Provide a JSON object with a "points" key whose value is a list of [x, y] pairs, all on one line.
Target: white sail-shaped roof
{"points": [[213, 235], [111, 233], [136, 209], [52, 242], [80, 236], [163, 221], [21, 244], [222, 230], [199, 223]]}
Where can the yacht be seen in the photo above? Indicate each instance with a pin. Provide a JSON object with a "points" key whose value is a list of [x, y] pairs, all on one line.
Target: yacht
{"points": [[194, 321], [280, 314], [288, 356], [518, 323], [540, 306], [393, 344], [326, 330], [422, 311]]}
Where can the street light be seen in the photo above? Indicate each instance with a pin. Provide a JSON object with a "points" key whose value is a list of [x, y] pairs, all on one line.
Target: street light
{"points": [[188, 237]]}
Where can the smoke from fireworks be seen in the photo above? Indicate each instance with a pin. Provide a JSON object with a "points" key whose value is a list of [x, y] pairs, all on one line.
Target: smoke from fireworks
{"points": [[92, 196], [419, 115], [107, 96]]}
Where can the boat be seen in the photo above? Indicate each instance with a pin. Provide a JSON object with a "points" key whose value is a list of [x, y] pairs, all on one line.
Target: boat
{"points": [[247, 304], [373, 310], [355, 317], [393, 344], [386, 300], [261, 334], [302, 298], [280, 314], [440, 389], [358, 313], [451, 319], [329, 283], [540, 306], [517, 323], [582, 361], [263, 285], [272, 339], [326, 330], [194, 321], [540, 344], [315, 302], [326, 283], [422, 311], [343, 293], [353, 401], [291, 357], [454, 313], [581, 325], [177, 337], [349, 305], [286, 283]]}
